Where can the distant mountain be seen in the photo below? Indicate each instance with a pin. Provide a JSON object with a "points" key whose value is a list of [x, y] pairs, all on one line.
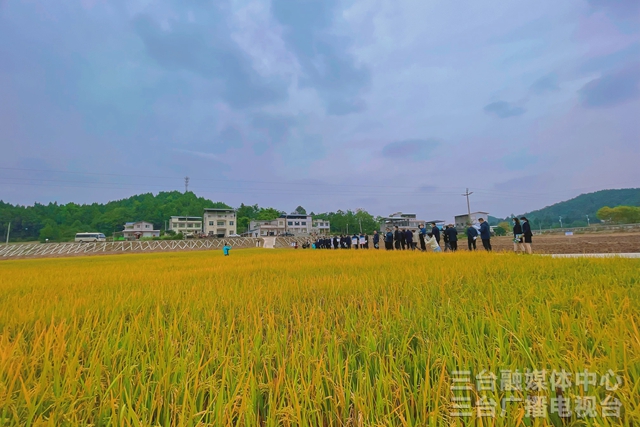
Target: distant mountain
{"points": [[574, 211]]}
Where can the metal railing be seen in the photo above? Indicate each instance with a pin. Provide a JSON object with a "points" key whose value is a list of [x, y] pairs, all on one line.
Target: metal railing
{"points": [[73, 248]]}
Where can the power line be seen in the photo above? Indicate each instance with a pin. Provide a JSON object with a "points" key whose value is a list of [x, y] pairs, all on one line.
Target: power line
{"points": [[290, 183], [236, 190]]}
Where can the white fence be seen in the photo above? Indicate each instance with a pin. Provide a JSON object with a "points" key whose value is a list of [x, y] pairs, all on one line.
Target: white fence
{"points": [[61, 249]]}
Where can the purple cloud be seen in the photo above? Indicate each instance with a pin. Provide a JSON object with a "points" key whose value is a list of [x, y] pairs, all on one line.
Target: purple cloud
{"points": [[612, 89], [548, 83], [503, 109], [281, 91], [411, 149]]}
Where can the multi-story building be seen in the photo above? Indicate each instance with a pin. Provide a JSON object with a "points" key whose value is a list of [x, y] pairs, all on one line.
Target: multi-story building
{"points": [[139, 229], [292, 224], [321, 226], [274, 227], [219, 222], [186, 224], [298, 224], [463, 221], [402, 220]]}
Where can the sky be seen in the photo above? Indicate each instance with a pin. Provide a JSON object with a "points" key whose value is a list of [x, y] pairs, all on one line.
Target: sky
{"points": [[383, 105]]}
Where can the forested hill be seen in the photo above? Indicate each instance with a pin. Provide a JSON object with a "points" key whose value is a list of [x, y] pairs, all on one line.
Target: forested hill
{"points": [[61, 222], [574, 211]]}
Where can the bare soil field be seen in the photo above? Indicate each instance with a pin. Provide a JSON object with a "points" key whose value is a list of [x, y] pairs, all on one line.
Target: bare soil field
{"points": [[545, 244], [576, 244]]}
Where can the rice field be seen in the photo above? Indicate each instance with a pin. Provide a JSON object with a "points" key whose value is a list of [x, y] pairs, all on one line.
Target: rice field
{"points": [[319, 338]]}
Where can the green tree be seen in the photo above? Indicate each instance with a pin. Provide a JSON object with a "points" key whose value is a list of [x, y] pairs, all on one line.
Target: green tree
{"points": [[506, 226], [51, 232], [620, 214], [300, 210], [268, 214]]}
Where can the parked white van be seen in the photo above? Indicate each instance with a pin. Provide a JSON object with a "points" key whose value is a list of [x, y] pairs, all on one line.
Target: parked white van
{"points": [[90, 237]]}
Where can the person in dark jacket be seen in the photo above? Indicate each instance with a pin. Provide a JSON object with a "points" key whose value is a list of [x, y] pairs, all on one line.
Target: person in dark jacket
{"points": [[366, 241], [421, 233], [451, 234], [335, 242], [472, 235], [517, 236], [485, 234], [436, 232], [396, 237], [445, 238], [403, 239], [376, 239], [388, 240], [526, 231], [408, 238]]}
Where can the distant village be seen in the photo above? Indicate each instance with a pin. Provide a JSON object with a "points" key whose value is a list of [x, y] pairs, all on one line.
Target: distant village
{"points": [[222, 223]]}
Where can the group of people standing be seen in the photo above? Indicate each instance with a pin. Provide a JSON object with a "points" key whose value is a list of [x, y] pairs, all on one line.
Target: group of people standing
{"points": [[342, 242], [406, 239], [484, 233], [522, 235]]}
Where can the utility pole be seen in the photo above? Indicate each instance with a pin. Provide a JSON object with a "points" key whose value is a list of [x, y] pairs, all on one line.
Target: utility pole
{"points": [[467, 194], [8, 230], [560, 222], [588, 222], [186, 184]]}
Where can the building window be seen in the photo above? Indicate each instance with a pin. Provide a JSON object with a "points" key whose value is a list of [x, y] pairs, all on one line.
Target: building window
{"points": [[230, 222], [175, 225], [304, 223], [290, 222], [221, 223], [211, 223], [146, 226], [297, 222]]}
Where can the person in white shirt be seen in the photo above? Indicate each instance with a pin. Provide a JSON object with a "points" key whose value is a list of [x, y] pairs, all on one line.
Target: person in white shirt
{"points": [[433, 243]]}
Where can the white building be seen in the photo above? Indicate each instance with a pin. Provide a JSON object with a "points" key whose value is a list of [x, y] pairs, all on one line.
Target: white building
{"points": [[139, 229], [463, 221], [292, 224], [186, 224], [274, 227], [402, 220], [298, 225], [219, 222], [321, 226]]}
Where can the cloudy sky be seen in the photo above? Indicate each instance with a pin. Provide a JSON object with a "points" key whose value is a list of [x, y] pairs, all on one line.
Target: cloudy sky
{"points": [[387, 105]]}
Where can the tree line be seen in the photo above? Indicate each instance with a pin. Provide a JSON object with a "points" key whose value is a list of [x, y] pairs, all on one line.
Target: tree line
{"points": [[60, 222]]}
